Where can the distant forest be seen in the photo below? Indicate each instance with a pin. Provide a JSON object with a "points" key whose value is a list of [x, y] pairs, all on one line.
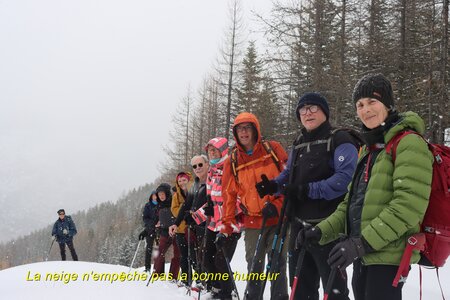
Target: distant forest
{"points": [[310, 45]]}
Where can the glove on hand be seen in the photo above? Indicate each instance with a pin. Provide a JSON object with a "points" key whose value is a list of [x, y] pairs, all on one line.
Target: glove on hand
{"points": [[209, 209], [269, 210], [143, 234], [221, 240], [266, 186], [308, 236], [188, 218], [346, 252]]}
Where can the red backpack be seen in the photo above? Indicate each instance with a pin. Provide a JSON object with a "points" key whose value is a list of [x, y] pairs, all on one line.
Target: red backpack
{"points": [[433, 240]]}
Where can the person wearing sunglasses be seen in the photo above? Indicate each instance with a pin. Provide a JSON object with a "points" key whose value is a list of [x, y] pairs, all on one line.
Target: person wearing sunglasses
{"points": [[196, 198], [64, 230]]}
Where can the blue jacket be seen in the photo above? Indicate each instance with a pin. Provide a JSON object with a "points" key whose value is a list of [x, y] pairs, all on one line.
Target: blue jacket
{"points": [[150, 216], [58, 229]]}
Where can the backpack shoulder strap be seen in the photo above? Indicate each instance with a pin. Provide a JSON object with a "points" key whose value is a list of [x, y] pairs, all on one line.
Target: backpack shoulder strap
{"points": [[391, 146], [234, 163], [268, 147]]}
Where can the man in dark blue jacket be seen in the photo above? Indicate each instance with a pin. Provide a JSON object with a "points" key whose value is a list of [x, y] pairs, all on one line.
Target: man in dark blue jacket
{"points": [[150, 218], [64, 230], [320, 167]]}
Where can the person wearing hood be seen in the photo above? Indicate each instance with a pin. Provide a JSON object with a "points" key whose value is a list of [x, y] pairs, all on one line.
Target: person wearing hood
{"points": [[253, 160], [166, 219], [386, 201], [319, 169], [150, 218], [183, 182]]}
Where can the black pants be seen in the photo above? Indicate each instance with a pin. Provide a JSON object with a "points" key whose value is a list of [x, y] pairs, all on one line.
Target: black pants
{"points": [[314, 269], [62, 249], [199, 234], [215, 260], [186, 267], [148, 250], [374, 282]]}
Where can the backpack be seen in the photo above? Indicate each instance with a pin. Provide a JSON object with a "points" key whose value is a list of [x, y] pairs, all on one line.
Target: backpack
{"points": [[234, 161], [433, 240], [354, 136]]}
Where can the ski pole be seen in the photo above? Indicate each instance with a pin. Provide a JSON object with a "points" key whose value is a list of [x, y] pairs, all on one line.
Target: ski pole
{"points": [[202, 262], [298, 267], [255, 257], [273, 252], [230, 272], [189, 259], [51, 245], [329, 283], [135, 253]]}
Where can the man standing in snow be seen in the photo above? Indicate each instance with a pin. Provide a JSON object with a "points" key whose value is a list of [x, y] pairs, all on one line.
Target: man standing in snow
{"points": [[64, 229]]}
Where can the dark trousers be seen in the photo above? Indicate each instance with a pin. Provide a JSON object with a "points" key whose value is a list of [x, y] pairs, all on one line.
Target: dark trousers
{"points": [[62, 249], [314, 269], [164, 243], [148, 251], [374, 282], [199, 243], [186, 267], [215, 260]]}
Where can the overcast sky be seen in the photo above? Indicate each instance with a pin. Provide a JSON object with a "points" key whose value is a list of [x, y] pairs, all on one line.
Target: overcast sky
{"points": [[87, 89]]}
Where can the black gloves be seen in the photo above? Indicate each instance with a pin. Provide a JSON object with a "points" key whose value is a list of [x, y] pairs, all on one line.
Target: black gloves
{"points": [[296, 193], [209, 209], [266, 186], [143, 234], [307, 236], [269, 210], [188, 218], [344, 253], [221, 240]]}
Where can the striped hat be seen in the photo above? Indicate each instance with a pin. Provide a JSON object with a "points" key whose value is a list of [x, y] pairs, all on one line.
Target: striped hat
{"points": [[220, 144]]}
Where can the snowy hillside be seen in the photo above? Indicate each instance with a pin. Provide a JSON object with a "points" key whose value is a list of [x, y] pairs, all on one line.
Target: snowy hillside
{"points": [[17, 283]]}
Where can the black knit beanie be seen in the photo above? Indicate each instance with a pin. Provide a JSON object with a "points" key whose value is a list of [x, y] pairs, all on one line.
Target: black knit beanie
{"points": [[314, 99], [375, 86]]}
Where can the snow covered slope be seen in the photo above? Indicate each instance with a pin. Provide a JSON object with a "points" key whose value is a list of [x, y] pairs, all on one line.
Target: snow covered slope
{"points": [[19, 282]]}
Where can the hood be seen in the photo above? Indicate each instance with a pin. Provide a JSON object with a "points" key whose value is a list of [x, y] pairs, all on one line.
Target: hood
{"points": [[408, 120], [151, 194], [177, 186], [244, 118]]}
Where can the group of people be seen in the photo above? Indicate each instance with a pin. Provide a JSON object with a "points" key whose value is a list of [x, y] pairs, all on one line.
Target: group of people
{"points": [[345, 203]]}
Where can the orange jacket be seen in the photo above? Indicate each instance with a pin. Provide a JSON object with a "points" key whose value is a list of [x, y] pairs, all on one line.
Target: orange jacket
{"points": [[260, 162]]}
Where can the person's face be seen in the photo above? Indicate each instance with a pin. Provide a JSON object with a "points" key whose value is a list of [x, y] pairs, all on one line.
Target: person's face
{"points": [[61, 215], [371, 112], [162, 196], [213, 152], [246, 135], [200, 167], [183, 182], [154, 197], [311, 116]]}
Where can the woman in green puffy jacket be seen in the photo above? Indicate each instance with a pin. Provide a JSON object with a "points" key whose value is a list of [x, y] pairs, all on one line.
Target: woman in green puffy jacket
{"points": [[386, 200]]}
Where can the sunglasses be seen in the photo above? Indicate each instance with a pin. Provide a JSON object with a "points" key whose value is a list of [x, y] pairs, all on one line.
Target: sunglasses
{"points": [[197, 165], [61, 214], [246, 128]]}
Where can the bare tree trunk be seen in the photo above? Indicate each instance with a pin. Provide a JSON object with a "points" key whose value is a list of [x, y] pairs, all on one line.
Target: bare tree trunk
{"points": [[443, 114], [230, 70]]}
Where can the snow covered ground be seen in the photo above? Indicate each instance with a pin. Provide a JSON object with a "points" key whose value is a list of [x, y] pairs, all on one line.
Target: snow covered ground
{"points": [[19, 282]]}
